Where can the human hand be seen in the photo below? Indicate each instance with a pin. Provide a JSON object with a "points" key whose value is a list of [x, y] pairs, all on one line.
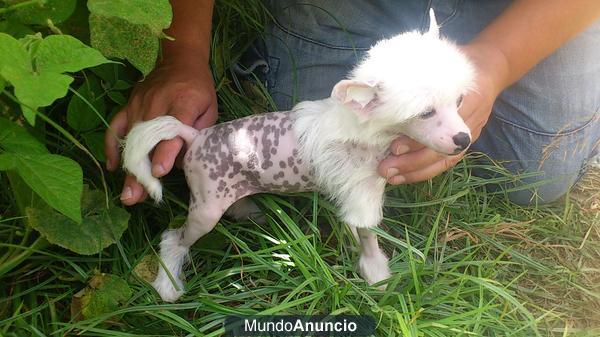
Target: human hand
{"points": [[411, 161], [182, 89]]}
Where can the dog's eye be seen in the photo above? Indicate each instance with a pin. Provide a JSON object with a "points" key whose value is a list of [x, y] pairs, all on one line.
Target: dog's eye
{"points": [[459, 101], [427, 114]]}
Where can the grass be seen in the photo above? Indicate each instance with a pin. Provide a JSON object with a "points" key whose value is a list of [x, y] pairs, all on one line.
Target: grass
{"points": [[465, 261]]}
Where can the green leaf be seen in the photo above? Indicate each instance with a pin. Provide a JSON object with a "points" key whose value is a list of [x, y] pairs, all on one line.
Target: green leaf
{"points": [[14, 60], [42, 85], [80, 115], [16, 139], [107, 72], [121, 85], [117, 97], [64, 53], [56, 11], [77, 24], [95, 143], [118, 38], [7, 161], [156, 14], [39, 90], [129, 29], [23, 195], [105, 294], [56, 179], [15, 28], [99, 228]]}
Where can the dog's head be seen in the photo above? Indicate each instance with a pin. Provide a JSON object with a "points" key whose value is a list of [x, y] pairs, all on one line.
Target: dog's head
{"points": [[412, 84]]}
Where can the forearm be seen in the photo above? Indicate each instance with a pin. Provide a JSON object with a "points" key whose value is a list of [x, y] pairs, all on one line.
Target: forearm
{"points": [[191, 28], [530, 30]]}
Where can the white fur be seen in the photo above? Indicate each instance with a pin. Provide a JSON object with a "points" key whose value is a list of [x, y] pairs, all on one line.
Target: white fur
{"points": [[325, 134], [172, 256], [142, 138], [372, 264], [374, 268]]}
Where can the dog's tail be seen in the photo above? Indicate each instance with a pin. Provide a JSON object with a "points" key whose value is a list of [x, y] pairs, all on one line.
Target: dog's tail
{"points": [[140, 141]]}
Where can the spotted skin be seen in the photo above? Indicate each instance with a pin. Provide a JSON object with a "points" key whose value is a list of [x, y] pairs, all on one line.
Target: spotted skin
{"points": [[236, 159]]}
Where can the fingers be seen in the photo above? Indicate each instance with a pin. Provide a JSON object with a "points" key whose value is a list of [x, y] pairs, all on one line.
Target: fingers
{"points": [[132, 192], [166, 152], [413, 161], [404, 144], [427, 173], [476, 109], [416, 166], [112, 136], [164, 156]]}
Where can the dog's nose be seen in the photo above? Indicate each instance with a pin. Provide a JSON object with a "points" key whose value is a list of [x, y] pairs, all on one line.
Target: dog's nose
{"points": [[462, 140]]}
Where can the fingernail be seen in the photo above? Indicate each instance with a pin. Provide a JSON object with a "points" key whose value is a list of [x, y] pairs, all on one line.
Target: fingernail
{"points": [[127, 193], [401, 149], [396, 180], [391, 172], [158, 170], [109, 165]]}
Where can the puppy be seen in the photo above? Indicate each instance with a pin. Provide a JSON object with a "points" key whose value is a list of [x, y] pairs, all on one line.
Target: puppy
{"points": [[411, 84]]}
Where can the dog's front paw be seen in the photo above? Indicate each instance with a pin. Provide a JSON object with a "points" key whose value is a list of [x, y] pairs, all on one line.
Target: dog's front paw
{"points": [[374, 268], [166, 289]]}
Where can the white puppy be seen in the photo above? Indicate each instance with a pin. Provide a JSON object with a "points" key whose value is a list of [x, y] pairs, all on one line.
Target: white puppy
{"points": [[411, 85]]}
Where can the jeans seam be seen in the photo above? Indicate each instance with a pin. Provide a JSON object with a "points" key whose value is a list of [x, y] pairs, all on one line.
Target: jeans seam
{"points": [[548, 134], [271, 76], [453, 14], [307, 39]]}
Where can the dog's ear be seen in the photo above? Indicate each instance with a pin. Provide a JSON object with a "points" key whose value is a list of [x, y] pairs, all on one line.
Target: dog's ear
{"points": [[434, 29], [360, 96]]}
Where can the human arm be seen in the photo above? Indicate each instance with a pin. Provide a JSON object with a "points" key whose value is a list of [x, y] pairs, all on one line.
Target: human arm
{"points": [[523, 35], [181, 85]]}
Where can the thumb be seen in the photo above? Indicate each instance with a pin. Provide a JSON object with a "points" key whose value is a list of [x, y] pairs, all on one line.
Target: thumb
{"points": [[404, 144]]}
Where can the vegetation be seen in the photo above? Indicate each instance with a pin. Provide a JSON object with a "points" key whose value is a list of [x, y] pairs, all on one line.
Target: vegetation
{"points": [[74, 262]]}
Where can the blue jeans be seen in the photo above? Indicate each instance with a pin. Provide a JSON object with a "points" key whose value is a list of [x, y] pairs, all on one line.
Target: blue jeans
{"points": [[548, 122]]}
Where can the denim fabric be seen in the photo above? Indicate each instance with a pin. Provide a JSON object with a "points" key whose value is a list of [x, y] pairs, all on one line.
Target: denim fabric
{"points": [[548, 122]]}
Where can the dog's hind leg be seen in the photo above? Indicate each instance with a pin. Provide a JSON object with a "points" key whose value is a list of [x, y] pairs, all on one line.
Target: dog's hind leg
{"points": [[174, 249], [372, 264]]}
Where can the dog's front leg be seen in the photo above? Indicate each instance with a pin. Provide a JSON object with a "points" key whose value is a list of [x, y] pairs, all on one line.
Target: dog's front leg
{"points": [[372, 264], [361, 208]]}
